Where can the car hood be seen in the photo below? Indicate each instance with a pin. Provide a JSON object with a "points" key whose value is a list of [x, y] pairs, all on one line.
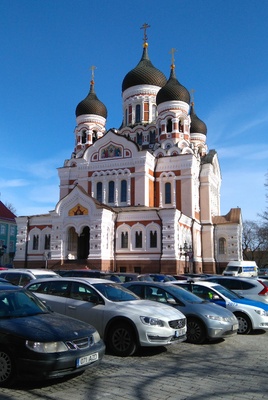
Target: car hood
{"points": [[207, 308], [47, 327], [252, 303], [149, 308]]}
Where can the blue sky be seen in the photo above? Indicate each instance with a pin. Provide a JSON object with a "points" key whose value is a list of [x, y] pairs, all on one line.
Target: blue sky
{"points": [[48, 46]]}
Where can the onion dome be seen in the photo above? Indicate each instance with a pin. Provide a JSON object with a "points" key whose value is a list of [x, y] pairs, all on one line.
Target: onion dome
{"points": [[91, 104], [197, 126], [144, 73], [173, 90]]}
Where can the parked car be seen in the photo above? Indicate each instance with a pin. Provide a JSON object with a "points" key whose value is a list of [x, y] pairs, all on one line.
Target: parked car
{"points": [[22, 276], [131, 276], [37, 343], [251, 314], [90, 273], [5, 282], [162, 277], [251, 288], [263, 272], [204, 320], [123, 320]]}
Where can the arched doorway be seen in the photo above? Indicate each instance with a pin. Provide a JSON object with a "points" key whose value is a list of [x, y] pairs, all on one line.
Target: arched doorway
{"points": [[83, 244], [78, 245]]}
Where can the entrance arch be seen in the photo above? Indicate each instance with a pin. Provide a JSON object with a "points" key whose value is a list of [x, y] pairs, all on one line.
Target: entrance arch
{"points": [[83, 244], [78, 245]]}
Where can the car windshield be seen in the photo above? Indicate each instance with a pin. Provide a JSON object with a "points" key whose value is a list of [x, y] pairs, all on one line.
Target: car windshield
{"points": [[20, 303], [115, 292], [184, 295], [227, 293]]}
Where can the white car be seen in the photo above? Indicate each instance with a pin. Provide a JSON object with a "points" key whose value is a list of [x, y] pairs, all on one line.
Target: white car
{"points": [[251, 288], [123, 320], [251, 314], [22, 276]]}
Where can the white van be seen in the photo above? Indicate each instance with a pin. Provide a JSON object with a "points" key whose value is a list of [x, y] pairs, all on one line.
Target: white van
{"points": [[241, 268]]}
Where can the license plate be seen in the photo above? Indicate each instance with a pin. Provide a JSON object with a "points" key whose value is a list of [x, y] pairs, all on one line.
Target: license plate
{"points": [[80, 362], [235, 327], [178, 333]]}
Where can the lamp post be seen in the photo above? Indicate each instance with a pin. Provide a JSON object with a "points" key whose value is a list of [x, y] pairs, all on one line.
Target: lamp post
{"points": [[186, 251]]}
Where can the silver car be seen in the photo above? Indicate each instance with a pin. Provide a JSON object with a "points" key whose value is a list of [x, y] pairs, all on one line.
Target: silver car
{"points": [[123, 320], [251, 314], [251, 288], [204, 320]]}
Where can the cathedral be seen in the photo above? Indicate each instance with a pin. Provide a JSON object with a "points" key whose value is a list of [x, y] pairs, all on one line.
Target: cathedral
{"points": [[141, 198]]}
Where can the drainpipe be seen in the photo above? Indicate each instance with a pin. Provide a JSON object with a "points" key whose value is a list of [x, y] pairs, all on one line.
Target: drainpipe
{"points": [[161, 243], [115, 227], [26, 243]]}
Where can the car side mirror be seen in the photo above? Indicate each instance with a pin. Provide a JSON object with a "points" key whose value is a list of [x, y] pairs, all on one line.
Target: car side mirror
{"points": [[172, 302], [215, 297]]}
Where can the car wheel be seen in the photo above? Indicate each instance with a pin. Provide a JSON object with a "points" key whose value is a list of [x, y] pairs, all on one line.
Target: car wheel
{"points": [[244, 324], [122, 340], [196, 332], [7, 369]]}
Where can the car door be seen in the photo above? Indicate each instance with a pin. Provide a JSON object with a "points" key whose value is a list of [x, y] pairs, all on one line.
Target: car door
{"points": [[208, 294], [53, 293], [85, 304]]}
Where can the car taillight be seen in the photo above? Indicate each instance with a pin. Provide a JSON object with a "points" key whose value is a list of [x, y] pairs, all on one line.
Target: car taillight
{"points": [[264, 291]]}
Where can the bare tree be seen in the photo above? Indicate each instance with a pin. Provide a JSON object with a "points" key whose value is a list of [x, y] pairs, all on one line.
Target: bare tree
{"points": [[11, 207], [255, 242]]}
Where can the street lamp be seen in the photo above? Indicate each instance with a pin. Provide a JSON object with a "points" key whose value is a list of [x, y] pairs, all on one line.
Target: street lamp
{"points": [[186, 251], [3, 248]]}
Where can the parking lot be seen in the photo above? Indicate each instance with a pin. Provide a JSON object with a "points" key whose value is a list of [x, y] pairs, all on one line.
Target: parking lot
{"points": [[235, 368]]}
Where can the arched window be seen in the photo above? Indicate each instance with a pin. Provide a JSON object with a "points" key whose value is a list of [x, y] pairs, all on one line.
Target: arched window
{"points": [[153, 239], [126, 116], [138, 239], [222, 245], [169, 125], [152, 137], [168, 193], [111, 192], [124, 240], [84, 137], [123, 194], [99, 192], [35, 242], [139, 138], [130, 114], [138, 113], [47, 242]]}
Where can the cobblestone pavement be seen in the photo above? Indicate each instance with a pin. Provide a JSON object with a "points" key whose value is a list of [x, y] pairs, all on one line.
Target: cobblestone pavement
{"points": [[233, 369]]}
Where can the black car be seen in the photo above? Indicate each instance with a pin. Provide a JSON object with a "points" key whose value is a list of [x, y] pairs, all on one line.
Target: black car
{"points": [[89, 273], [36, 342]]}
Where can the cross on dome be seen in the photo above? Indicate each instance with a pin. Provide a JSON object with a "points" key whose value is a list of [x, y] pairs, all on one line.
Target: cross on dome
{"points": [[145, 26]]}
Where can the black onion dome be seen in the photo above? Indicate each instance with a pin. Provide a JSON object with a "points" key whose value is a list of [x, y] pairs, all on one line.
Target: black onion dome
{"points": [[144, 74], [91, 104], [173, 90], [197, 126]]}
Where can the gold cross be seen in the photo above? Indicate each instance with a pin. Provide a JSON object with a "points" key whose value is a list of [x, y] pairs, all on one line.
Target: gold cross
{"points": [[172, 51], [144, 27], [192, 94], [92, 72]]}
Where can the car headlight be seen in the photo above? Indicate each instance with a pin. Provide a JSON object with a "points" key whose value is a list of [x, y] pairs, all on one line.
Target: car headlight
{"points": [[218, 318], [96, 337], [151, 321], [261, 312], [50, 347]]}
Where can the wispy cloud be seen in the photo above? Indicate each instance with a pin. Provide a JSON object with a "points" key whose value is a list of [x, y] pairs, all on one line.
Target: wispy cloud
{"points": [[9, 183], [236, 115]]}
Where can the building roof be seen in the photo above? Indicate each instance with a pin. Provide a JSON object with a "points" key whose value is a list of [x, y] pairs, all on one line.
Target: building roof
{"points": [[233, 217], [6, 214], [173, 91], [144, 74]]}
